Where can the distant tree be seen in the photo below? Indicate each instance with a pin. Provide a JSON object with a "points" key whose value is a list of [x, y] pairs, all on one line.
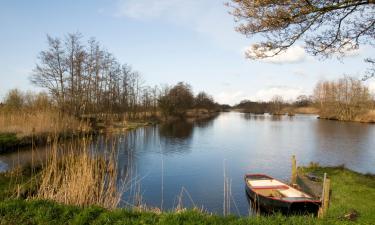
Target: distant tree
{"points": [[342, 99], [176, 100], [14, 100], [326, 27], [254, 107], [303, 101], [204, 101], [276, 104]]}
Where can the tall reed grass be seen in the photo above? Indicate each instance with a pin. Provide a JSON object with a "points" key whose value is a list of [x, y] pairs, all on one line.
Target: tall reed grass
{"points": [[80, 176], [26, 122]]}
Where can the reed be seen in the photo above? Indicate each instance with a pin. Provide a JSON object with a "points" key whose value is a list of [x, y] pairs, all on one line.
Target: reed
{"points": [[82, 177], [26, 122]]}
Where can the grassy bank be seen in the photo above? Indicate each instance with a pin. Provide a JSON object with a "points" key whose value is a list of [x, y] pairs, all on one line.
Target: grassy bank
{"points": [[351, 191], [368, 117]]}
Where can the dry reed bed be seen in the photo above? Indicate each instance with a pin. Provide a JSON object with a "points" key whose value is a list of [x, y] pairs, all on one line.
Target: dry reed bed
{"points": [[80, 176], [368, 117], [26, 123]]}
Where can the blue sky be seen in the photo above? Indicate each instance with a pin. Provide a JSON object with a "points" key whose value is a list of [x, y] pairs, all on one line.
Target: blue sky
{"points": [[166, 41]]}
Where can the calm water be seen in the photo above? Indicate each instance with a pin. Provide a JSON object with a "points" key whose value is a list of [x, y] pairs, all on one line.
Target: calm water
{"points": [[167, 159]]}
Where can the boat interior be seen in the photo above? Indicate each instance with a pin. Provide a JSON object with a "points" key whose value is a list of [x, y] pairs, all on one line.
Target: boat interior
{"points": [[273, 188]]}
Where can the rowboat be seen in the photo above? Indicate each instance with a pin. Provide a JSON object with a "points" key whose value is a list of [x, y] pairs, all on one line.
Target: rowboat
{"points": [[273, 195]]}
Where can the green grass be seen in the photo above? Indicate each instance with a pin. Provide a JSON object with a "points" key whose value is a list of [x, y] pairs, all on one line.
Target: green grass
{"points": [[350, 190], [8, 140]]}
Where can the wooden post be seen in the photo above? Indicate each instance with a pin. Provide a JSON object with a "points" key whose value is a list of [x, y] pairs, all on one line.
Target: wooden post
{"points": [[325, 196], [293, 179]]}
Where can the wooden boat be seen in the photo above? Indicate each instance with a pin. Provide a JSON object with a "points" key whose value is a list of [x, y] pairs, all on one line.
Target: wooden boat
{"points": [[273, 195]]}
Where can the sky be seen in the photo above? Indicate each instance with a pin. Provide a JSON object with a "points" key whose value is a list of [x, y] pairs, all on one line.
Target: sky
{"points": [[167, 41]]}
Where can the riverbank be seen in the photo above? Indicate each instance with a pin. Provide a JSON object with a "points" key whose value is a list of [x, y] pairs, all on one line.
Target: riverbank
{"points": [[285, 111], [368, 117], [22, 130], [352, 194]]}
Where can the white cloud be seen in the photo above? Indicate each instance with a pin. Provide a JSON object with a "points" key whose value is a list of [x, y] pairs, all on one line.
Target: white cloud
{"points": [[265, 94], [294, 54], [231, 97], [287, 93]]}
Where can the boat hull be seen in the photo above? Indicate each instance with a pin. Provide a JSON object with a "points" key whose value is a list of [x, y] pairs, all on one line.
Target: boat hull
{"points": [[269, 204]]}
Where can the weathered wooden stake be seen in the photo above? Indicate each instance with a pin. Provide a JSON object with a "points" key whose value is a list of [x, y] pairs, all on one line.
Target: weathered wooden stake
{"points": [[293, 179], [325, 196]]}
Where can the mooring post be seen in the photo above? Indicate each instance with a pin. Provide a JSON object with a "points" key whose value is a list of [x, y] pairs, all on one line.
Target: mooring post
{"points": [[325, 196], [293, 179]]}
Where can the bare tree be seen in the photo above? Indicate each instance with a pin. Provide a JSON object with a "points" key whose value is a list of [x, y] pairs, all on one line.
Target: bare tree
{"points": [[276, 104], [176, 100], [51, 72], [343, 99]]}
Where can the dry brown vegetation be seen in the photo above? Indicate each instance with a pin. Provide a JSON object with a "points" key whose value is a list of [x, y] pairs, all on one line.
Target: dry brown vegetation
{"points": [[368, 117], [26, 113], [26, 123], [306, 110], [78, 176], [344, 99]]}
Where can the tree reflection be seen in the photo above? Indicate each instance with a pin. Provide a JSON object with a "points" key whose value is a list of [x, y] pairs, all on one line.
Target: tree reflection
{"points": [[177, 129]]}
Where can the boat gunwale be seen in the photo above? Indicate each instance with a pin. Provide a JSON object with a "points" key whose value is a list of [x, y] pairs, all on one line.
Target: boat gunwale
{"points": [[273, 198]]}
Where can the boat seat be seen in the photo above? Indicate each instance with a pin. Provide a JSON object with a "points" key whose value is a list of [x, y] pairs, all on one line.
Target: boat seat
{"points": [[293, 193], [270, 193], [269, 182]]}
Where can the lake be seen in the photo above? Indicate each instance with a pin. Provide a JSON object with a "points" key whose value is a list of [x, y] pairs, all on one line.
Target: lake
{"points": [[190, 158]]}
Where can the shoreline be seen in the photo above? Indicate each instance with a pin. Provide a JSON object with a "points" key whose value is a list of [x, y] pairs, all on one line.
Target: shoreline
{"points": [[10, 142], [347, 189], [368, 118]]}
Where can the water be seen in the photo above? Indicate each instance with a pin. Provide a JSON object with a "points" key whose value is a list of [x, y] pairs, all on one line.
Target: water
{"points": [[180, 156]]}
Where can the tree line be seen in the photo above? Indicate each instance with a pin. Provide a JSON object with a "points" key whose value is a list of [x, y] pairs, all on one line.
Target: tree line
{"points": [[342, 99], [274, 106], [84, 78]]}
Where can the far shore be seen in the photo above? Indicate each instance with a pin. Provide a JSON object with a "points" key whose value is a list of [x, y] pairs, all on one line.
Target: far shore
{"points": [[368, 117], [16, 140]]}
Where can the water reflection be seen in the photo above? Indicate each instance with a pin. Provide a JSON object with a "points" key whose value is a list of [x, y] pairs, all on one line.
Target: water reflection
{"points": [[177, 129], [251, 116]]}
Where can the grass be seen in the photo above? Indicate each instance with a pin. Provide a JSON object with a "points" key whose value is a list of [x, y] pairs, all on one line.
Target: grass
{"points": [[47, 212], [350, 190], [8, 139]]}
